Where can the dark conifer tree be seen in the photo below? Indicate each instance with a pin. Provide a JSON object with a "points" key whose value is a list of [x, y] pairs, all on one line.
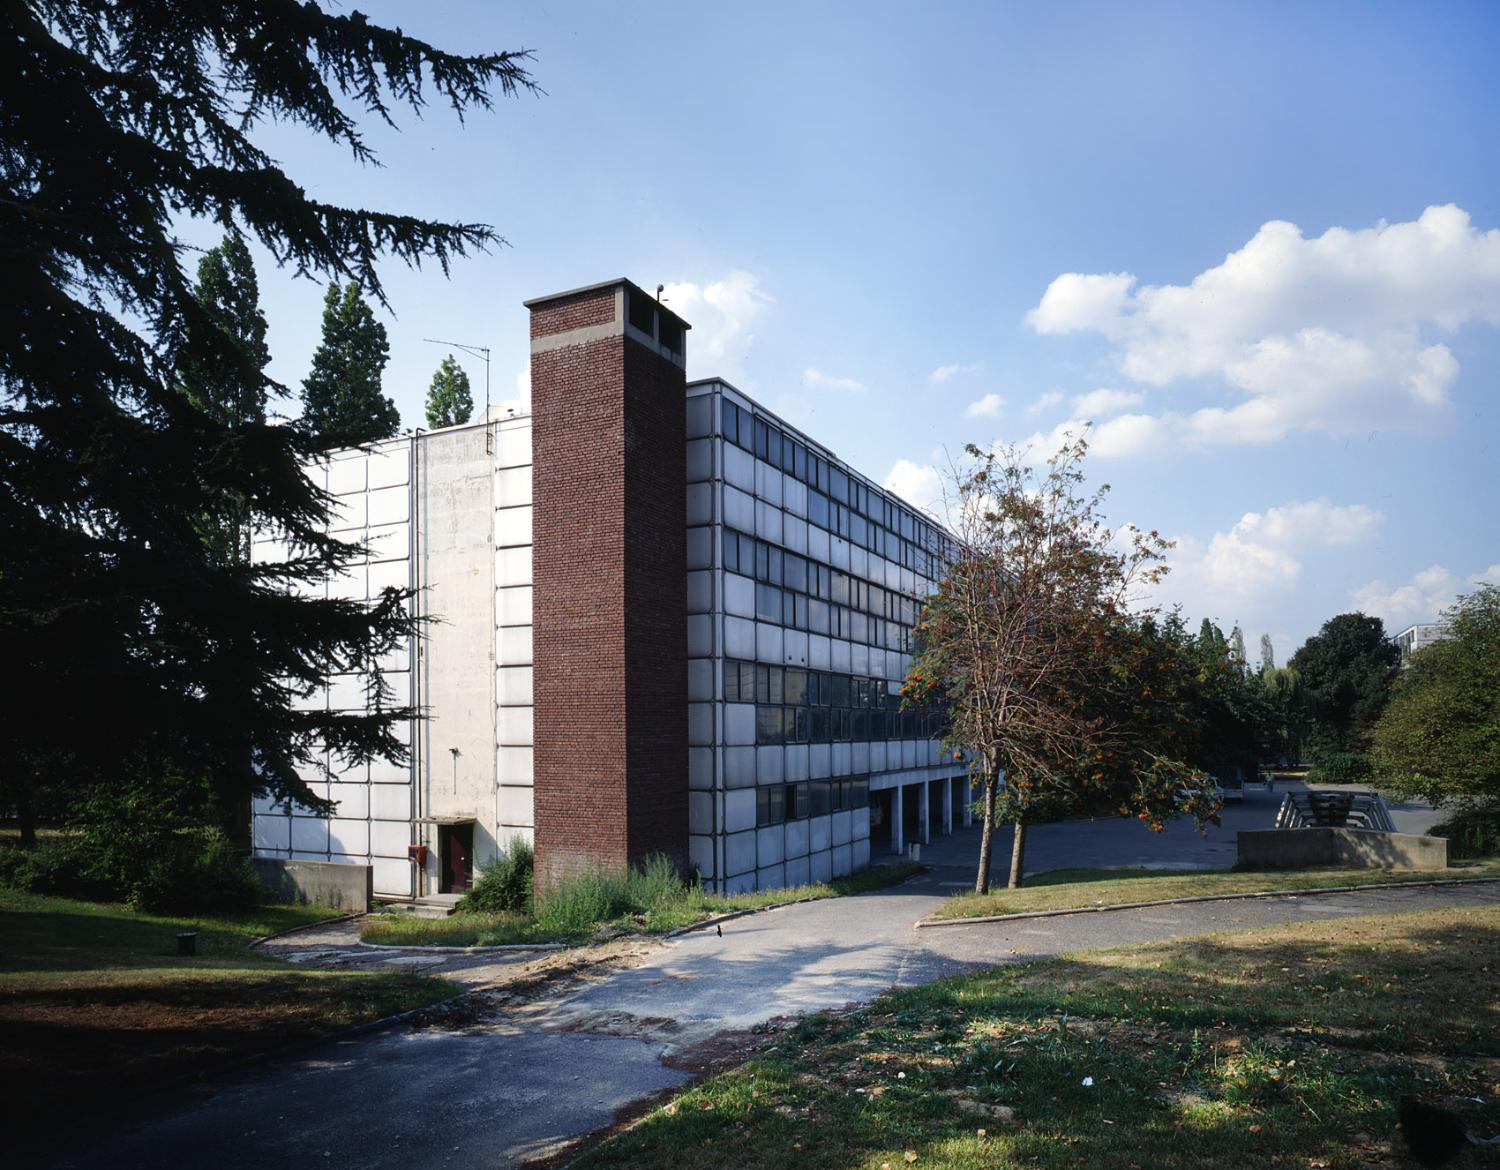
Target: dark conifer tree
{"points": [[230, 295], [129, 639], [341, 399]]}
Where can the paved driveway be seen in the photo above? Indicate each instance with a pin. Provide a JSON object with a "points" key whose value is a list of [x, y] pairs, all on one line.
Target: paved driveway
{"points": [[513, 1083]]}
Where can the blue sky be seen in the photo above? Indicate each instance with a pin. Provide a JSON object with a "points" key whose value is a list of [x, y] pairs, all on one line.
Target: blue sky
{"points": [[911, 227]]}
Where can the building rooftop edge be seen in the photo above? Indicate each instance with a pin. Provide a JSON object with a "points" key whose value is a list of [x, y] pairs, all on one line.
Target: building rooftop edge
{"points": [[599, 286]]}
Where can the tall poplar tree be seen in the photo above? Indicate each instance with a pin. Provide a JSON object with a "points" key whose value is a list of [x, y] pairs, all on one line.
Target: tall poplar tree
{"points": [[449, 401], [230, 295], [134, 644], [341, 399]]}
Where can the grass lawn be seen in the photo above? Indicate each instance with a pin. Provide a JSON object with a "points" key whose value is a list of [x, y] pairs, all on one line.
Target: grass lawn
{"points": [[1066, 889], [96, 1006], [693, 905], [1285, 1047]]}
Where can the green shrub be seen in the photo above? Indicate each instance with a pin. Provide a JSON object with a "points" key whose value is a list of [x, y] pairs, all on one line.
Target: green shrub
{"points": [[197, 873], [1341, 768], [655, 884], [1472, 830], [505, 884], [580, 902]]}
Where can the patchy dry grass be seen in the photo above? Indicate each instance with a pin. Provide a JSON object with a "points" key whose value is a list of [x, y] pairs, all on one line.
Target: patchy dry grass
{"points": [[1068, 889], [96, 1006], [1275, 1048], [692, 905]]}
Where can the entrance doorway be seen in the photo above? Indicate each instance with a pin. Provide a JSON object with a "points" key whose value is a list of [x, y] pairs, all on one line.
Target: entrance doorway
{"points": [[456, 858]]}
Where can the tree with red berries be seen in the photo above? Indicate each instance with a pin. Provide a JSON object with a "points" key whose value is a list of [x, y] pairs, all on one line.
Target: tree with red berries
{"points": [[1066, 700]]}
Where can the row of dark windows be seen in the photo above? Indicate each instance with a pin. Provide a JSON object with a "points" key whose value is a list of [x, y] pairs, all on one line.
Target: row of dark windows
{"points": [[806, 595], [841, 725], [838, 501], [793, 705], [753, 682], [775, 803]]}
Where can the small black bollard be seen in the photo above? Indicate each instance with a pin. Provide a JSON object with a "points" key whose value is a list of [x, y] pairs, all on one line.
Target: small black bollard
{"points": [[187, 942]]}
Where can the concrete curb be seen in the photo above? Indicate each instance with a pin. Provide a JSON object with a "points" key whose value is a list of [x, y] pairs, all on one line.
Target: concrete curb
{"points": [[1025, 914], [441, 950], [265, 938], [733, 914]]}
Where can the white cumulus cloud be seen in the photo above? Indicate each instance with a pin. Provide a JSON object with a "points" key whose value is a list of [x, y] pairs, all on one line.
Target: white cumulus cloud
{"points": [[1045, 402], [1099, 403], [818, 380], [945, 373], [1337, 333], [919, 484], [1421, 599], [989, 406], [722, 314]]}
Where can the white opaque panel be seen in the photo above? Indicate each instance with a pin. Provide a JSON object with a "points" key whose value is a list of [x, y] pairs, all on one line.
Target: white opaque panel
{"points": [[348, 836], [768, 483], [390, 542], [700, 503], [739, 509], [700, 548], [794, 534], [794, 496], [513, 445], [390, 838], [388, 575], [701, 680], [384, 772], [818, 760], [796, 762], [770, 877], [768, 643], [843, 860], [859, 852], [739, 638], [700, 767], [348, 583], [353, 800], [512, 526], [842, 828], [838, 552], [272, 832], [514, 605], [859, 659], [877, 756], [796, 838], [701, 724], [739, 848], [513, 765], [700, 416], [700, 635], [700, 812], [739, 883], [840, 757], [514, 643], [739, 766], [860, 824], [700, 591], [858, 561], [797, 871], [346, 475], [513, 686], [309, 835], [739, 723], [390, 466], [770, 764], [768, 522], [391, 877], [513, 487], [794, 647], [347, 512], [818, 653], [513, 566], [739, 468], [822, 866], [739, 595], [346, 692], [859, 757], [839, 655], [817, 543], [388, 506], [390, 802], [513, 726], [513, 805], [700, 460], [701, 854]]}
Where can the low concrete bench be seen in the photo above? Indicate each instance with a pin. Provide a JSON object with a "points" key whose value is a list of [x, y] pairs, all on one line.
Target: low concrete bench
{"points": [[1357, 848], [325, 883]]}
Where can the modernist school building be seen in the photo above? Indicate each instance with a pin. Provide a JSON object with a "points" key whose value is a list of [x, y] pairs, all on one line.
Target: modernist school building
{"points": [[662, 621]]}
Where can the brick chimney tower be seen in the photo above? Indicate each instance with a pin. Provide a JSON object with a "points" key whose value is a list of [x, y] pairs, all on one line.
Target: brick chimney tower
{"points": [[608, 400]]}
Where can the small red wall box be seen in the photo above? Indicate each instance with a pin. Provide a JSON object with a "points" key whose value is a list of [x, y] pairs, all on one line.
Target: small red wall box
{"points": [[417, 853]]}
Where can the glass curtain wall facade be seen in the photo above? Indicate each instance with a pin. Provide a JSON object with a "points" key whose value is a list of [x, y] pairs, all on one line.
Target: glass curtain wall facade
{"points": [[804, 583]]}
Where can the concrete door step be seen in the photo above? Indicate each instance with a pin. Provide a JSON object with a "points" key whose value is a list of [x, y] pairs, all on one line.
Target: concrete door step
{"points": [[431, 906]]}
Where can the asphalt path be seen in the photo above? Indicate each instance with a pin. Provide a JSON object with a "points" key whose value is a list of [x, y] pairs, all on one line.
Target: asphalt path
{"points": [[516, 1083]]}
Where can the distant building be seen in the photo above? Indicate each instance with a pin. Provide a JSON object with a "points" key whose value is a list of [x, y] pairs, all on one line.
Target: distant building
{"points": [[667, 622], [1419, 636]]}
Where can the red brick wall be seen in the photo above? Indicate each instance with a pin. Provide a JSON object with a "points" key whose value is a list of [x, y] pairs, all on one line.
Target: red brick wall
{"points": [[609, 603]]}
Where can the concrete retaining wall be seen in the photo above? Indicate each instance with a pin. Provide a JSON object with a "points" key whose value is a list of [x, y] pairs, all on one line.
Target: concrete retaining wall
{"points": [[325, 883], [1357, 848]]}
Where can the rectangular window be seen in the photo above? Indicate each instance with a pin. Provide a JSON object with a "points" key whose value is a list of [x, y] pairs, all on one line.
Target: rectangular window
{"points": [[762, 438], [840, 690], [796, 801], [768, 725], [840, 591], [794, 572], [796, 686], [817, 616], [729, 421], [762, 561], [817, 509], [770, 805], [819, 798], [799, 461], [767, 603], [804, 724], [838, 485], [799, 611], [819, 726], [731, 682], [773, 564]]}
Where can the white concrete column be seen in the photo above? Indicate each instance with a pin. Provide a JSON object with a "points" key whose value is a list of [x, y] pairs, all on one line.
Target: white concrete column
{"points": [[898, 838], [924, 814], [968, 791], [947, 806]]}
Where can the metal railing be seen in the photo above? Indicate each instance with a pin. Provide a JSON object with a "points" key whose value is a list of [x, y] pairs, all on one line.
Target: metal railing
{"points": [[1320, 808]]}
